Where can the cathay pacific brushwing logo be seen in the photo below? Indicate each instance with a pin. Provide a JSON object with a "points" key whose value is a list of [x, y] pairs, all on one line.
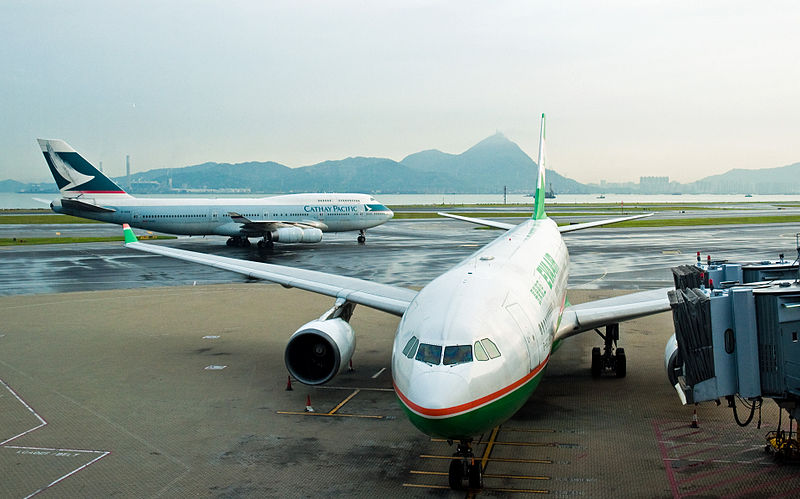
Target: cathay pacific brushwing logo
{"points": [[68, 173]]}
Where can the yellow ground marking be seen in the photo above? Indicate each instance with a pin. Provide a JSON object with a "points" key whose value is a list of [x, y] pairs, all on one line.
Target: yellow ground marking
{"points": [[343, 402], [489, 447], [485, 475], [494, 459]]}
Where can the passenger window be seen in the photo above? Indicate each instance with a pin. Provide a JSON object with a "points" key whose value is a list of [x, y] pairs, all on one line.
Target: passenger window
{"points": [[430, 354], [458, 354], [411, 347], [480, 353], [491, 348]]}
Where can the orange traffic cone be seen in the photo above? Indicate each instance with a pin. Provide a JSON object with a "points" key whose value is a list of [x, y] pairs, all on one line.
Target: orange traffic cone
{"points": [[308, 404], [288, 383], [694, 420]]}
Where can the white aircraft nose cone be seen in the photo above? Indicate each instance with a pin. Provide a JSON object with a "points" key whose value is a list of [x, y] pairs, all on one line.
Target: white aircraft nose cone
{"points": [[437, 390]]}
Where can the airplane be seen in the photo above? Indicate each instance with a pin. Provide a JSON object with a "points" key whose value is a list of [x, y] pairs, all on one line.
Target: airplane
{"points": [[293, 218], [472, 345]]}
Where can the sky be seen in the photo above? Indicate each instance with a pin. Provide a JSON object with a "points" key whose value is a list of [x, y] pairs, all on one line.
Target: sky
{"points": [[684, 89]]}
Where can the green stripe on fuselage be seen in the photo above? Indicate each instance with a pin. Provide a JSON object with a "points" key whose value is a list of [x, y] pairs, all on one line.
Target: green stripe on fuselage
{"points": [[476, 421]]}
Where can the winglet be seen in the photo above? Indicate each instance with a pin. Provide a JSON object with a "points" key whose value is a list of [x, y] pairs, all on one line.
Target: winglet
{"points": [[130, 237], [538, 209]]}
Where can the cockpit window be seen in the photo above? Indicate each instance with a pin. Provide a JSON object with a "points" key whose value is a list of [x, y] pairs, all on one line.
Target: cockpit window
{"points": [[458, 354], [431, 354], [480, 353], [411, 347], [491, 348]]}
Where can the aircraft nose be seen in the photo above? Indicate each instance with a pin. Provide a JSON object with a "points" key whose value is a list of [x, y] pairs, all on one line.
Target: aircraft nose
{"points": [[437, 393], [389, 214]]}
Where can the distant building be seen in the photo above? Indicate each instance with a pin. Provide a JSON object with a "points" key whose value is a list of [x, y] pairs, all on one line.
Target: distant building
{"points": [[654, 185]]}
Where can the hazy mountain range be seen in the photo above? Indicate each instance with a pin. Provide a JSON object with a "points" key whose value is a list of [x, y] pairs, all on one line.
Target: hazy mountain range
{"points": [[486, 167]]}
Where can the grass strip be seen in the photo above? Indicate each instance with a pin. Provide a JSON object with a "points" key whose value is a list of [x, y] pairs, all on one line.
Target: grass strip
{"points": [[22, 241], [45, 219]]}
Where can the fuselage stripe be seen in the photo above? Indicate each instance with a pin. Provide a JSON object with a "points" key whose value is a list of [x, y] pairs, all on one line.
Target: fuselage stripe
{"points": [[452, 411]]}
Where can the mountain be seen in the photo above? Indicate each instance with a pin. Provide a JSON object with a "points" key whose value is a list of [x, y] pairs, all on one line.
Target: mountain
{"points": [[486, 167], [780, 180]]}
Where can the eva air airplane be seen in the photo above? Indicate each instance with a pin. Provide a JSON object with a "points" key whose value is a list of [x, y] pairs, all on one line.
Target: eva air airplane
{"points": [[473, 344], [292, 218]]}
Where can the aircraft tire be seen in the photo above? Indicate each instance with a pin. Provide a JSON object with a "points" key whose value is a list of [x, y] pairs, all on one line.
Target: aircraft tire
{"points": [[597, 366], [456, 474], [362, 239], [621, 366], [475, 476]]}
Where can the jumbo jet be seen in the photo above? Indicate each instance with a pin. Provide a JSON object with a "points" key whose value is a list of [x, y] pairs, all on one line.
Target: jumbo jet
{"points": [[471, 346], [292, 218]]}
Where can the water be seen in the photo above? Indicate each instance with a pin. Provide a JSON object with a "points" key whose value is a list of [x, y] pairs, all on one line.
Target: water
{"points": [[29, 201]]}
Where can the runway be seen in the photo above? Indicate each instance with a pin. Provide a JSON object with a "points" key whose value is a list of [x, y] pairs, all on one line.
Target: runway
{"points": [[405, 253]]}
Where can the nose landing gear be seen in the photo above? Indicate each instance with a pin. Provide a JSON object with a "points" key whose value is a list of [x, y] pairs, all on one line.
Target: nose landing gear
{"points": [[362, 236], [465, 468]]}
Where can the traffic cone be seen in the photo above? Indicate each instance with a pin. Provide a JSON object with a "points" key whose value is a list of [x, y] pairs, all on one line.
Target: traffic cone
{"points": [[694, 420], [288, 383], [308, 404]]}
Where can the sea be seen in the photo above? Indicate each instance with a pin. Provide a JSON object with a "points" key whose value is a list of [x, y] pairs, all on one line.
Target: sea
{"points": [[42, 200]]}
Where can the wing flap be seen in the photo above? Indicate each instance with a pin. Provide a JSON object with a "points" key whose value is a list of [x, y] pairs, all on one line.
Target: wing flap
{"points": [[586, 316], [391, 299]]}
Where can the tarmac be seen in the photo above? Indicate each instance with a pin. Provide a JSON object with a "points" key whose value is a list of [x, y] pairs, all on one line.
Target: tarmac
{"points": [[181, 391]]}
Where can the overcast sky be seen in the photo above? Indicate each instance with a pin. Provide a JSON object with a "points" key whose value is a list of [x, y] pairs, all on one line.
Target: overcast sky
{"points": [[631, 88]]}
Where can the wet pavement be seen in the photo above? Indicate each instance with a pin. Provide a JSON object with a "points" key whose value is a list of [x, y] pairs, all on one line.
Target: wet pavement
{"points": [[401, 252]]}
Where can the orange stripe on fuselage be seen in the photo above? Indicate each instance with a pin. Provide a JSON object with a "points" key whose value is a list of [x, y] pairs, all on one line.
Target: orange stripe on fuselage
{"points": [[451, 411]]}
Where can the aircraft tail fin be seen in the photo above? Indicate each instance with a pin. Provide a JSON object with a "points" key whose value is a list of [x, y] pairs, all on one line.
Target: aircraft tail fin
{"points": [[72, 173], [538, 208]]}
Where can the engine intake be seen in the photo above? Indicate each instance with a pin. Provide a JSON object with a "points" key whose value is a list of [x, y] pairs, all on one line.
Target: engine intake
{"points": [[319, 350]]}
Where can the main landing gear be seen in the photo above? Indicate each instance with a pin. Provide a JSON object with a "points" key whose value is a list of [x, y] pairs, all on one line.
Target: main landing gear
{"points": [[609, 362], [238, 241], [362, 236], [266, 241], [465, 468]]}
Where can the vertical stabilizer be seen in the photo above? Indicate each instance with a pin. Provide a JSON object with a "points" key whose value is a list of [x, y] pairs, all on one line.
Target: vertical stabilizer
{"points": [[538, 208], [73, 174]]}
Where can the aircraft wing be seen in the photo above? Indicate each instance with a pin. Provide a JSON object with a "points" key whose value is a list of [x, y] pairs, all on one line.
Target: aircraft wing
{"points": [[261, 226], [562, 228], [479, 221], [384, 297], [586, 316]]}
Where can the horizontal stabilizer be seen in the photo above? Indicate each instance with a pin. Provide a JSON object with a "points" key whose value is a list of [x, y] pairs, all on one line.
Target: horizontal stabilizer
{"points": [[597, 223], [74, 204], [479, 221]]}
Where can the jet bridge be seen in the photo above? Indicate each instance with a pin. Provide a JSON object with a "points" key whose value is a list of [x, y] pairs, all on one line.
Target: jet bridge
{"points": [[737, 335]]}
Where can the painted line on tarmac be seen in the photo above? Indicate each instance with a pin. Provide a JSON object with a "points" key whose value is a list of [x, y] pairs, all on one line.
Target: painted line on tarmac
{"points": [[45, 451]]}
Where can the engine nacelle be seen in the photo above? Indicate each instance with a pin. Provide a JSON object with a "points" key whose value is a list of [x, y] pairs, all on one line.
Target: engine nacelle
{"points": [[297, 235], [672, 361], [319, 350]]}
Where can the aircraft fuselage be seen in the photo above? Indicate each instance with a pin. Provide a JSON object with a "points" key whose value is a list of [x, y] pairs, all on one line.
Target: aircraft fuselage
{"points": [[512, 292], [209, 216]]}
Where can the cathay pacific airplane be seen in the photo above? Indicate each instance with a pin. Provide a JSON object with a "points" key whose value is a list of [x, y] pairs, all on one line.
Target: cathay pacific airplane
{"points": [[292, 218], [473, 344]]}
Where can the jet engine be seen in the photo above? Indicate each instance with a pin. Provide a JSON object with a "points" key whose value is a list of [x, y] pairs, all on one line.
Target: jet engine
{"points": [[319, 350], [297, 235]]}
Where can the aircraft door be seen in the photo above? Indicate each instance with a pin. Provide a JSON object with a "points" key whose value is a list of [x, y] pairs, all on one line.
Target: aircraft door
{"points": [[526, 329]]}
